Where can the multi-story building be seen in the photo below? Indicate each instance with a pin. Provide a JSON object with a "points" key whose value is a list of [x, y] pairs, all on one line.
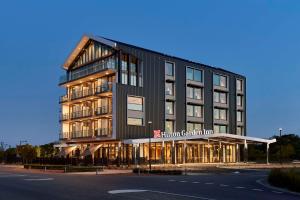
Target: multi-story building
{"points": [[119, 95]]}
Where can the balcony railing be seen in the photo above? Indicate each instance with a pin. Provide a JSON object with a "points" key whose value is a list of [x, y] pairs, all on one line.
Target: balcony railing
{"points": [[81, 114], [108, 63], [103, 110], [82, 134], [100, 132], [63, 117], [82, 93], [103, 132], [107, 87]]}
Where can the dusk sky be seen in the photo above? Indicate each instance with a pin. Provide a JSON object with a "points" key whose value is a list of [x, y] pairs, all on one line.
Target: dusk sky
{"points": [[259, 39]]}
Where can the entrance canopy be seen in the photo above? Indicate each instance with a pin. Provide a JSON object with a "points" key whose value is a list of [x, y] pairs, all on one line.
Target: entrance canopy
{"points": [[218, 137]]}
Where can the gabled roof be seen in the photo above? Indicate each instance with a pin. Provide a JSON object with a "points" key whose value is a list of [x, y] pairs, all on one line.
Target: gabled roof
{"points": [[81, 44]]}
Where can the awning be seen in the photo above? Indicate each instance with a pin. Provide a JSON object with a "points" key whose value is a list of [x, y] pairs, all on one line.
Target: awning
{"points": [[91, 150], [216, 136], [66, 150]]}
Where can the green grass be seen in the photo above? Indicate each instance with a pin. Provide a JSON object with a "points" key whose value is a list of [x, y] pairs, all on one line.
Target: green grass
{"points": [[285, 178]]}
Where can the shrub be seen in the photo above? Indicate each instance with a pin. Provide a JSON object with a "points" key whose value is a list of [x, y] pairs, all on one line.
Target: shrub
{"points": [[157, 171], [289, 179]]}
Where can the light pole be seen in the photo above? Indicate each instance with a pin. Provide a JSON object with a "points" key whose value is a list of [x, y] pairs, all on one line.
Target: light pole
{"points": [[149, 124], [22, 141], [280, 130]]}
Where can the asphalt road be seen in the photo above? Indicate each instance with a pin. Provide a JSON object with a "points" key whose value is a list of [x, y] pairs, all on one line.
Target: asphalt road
{"points": [[25, 185]]}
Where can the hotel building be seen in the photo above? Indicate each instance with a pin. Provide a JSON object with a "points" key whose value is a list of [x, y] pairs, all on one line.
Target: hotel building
{"points": [[126, 104]]}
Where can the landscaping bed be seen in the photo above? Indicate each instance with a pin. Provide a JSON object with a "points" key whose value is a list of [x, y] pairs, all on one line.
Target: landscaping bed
{"points": [[285, 178], [157, 171]]}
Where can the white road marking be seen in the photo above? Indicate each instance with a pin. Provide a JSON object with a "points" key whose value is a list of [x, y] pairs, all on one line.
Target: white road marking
{"points": [[39, 179], [240, 187], [223, 185], [182, 181], [195, 182], [11, 175], [159, 192], [125, 191], [172, 180], [209, 183], [259, 190], [277, 192]]}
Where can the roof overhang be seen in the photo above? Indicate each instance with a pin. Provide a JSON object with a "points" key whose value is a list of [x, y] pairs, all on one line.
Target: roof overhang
{"points": [[216, 136], [81, 44]]}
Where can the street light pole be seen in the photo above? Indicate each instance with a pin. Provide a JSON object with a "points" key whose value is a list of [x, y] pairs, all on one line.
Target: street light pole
{"points": [[280, 130], [149, 124]]}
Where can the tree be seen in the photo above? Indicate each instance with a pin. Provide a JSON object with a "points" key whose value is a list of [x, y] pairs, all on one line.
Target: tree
{"points": [[10, 155], [27, 152], [47, 150]]}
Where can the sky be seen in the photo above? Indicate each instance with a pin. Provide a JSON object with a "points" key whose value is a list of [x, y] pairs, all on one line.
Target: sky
{"points": [[257, 38]]}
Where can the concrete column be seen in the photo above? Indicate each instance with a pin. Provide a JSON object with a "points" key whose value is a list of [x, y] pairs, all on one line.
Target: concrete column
{"points": [[173, 153], [245, 151], [224, 153], [184, 152], [208, 151], [237, 151], [219, 152], [267, 153], [163, 152]]}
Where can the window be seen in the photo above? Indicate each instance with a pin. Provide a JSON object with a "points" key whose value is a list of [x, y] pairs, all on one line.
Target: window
{"points": [[169, 69], [133, 73], [239, 100], [220, 97], [220, 80], [239, 116], [193, 126], [135, 121], [141, 74], [135, 103], [169, 126], [239, 130], [239, 85], [193, 93], [220, 114], [193, 111], [169, 90], [220, 129], [193, 74], [124, 69], [169, 108]]}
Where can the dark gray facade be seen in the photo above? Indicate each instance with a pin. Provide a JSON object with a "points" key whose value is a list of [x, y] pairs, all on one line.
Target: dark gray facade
{"points": [[153, 90]]}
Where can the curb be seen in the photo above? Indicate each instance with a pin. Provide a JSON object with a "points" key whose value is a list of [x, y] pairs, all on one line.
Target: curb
{"points": [[267, 185]]}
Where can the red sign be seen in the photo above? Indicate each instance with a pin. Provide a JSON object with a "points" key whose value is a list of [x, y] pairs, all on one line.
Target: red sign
{"points": [[156, 133]]}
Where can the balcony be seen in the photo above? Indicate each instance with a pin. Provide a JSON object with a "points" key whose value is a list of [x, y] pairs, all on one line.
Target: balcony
{"points": [[63, 98], [64, 135], [82, 93], [107, 87], [104, 110], [103, 132], [64, 117], [81, 114], [102, 65], [82, 134]]}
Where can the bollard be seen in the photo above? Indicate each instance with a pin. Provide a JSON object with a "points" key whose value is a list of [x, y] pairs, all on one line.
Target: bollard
{"points": [[65, 169], [45, 169]]}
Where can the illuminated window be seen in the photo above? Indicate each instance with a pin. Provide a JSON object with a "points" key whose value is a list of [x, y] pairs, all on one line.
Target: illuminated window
{"points": [[135, 103], [135, 121]]}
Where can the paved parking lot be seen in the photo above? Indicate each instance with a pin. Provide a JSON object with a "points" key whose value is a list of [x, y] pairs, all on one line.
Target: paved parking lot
{"points": [[234, 185]]}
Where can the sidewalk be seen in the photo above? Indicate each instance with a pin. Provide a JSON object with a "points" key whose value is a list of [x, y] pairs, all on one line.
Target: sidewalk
{"points": [[104, 172]]}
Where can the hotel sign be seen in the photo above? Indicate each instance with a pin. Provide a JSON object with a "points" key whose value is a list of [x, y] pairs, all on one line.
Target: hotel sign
{"points": [[183, 133]]}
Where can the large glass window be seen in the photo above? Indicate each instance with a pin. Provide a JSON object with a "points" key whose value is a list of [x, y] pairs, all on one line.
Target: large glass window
{"points": [[193, 126], [169, 69], [135, 103], [133, 71], [193, 93], [239, 100], [239, 130], [135, 121], [193, 74], [239, 116], [169, 126], [239, 85], [169, 90], [194, 111], [124, 69], [220, 80], [220, 97], [220, 114], [220, 128], [169, 108]]}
